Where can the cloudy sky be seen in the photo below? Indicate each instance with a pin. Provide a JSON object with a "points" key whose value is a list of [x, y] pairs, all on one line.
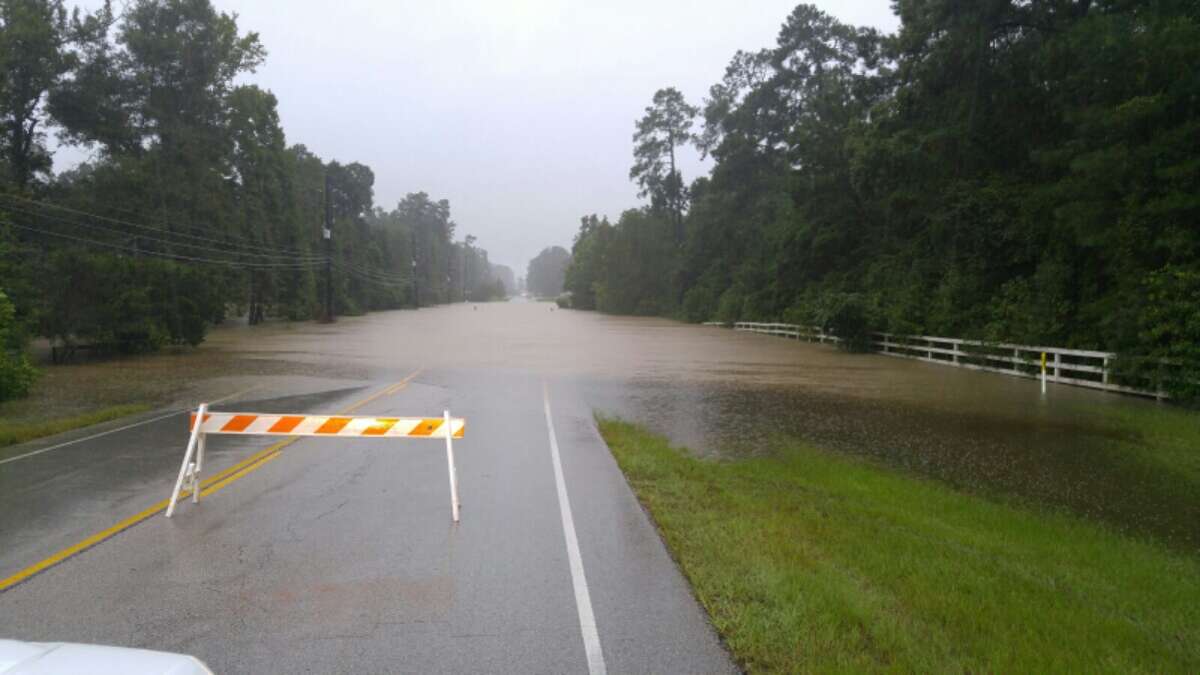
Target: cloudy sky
{"points": [[519, 112]]}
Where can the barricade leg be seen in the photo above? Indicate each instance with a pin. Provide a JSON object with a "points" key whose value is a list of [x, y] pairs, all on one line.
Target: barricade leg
{"points": [[193, 441], [450, 463], [199, 467]]}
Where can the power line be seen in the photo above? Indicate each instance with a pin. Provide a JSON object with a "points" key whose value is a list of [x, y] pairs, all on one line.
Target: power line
{"points": [[372, 276], [258, 260], [146, 237], [226, 245], [375, 275], [248, 246], [169, 256], [386, 276], [393, 285], [172, 231]]}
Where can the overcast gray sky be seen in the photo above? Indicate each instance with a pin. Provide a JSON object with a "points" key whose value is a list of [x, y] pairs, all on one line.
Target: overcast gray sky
{"points": [[520, 112]]}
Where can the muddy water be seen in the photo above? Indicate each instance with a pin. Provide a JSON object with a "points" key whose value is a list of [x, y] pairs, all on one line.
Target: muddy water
{"points": [[725, 393]]}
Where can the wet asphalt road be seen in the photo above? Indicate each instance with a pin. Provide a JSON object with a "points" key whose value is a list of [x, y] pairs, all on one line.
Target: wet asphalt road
{"points": [[340, 556]]}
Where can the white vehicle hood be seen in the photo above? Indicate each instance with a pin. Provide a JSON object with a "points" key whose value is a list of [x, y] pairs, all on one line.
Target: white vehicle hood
{"points": [[65, 658]]}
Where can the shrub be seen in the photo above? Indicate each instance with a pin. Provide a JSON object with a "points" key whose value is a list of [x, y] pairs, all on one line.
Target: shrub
{"points": [[847, 316], [16, 373], [729, 306], [699, 304], [1169, 335]]}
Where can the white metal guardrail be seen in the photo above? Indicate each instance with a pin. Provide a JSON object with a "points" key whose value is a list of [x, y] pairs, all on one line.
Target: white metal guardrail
{"points": [[204, 423], [789, 330], [1077, 367]]}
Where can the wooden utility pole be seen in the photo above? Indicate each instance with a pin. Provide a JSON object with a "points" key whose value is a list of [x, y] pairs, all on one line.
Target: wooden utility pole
{"points": [[415, 276], [328, 233]]}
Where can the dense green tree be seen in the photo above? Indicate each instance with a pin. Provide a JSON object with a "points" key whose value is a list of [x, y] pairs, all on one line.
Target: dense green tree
{"points": [[34, 57], [432, 231], [16, 374], [587, 261], [1169, 329], [506, 277], [194, 206], [1003, 170], [158, 105], [305, 179], [666, 126], [625, 268], [263, 206], [546, 272], [638, 278]]}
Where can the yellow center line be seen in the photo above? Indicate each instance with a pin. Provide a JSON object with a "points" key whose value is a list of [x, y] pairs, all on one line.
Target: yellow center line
{"points": [[207, 486], [235, 394], [386, 392]]}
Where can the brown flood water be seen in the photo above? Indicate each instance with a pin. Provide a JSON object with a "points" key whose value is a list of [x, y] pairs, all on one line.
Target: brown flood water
{"points": [[723, 393]]}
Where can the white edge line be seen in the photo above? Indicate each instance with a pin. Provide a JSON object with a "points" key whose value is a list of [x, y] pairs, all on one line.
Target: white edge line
{"points": [[583, 600], [88, 438], [113, 431]]}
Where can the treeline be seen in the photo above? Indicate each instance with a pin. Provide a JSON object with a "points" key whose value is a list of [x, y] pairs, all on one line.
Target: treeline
{"points": [[1016, 171], [192, 207], [545, 274]]}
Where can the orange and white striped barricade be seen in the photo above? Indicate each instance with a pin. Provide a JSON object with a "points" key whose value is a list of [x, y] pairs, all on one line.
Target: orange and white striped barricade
{"points": [[204, 423]]}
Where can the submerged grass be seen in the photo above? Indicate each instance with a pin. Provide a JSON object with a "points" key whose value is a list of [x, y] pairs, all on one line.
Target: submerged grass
{"points": [[809, 561], [13, 432], [1165, 437]]}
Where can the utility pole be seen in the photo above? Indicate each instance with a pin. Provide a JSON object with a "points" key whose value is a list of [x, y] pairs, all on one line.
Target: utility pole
{"points": [[327, 231], [415, 276], [468, 256]]}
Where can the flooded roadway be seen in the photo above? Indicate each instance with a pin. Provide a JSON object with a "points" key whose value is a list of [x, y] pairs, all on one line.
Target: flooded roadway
{"points": [[338, 555], [724, 393]]}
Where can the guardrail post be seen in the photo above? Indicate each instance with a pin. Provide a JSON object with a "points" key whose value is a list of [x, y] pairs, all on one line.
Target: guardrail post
{"points": [[1058, 364], [1104, 375]]}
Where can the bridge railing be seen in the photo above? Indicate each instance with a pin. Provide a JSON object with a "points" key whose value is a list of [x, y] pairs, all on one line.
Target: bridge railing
{"points": [[1077, 367]]}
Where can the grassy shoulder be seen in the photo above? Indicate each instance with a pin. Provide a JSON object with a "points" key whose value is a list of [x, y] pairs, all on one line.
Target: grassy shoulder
{"points": [[809, 561], [13, 432], [76, 395]]}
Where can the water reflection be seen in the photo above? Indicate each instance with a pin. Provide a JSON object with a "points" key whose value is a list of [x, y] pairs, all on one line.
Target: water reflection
{"points": [[1058, 454]]}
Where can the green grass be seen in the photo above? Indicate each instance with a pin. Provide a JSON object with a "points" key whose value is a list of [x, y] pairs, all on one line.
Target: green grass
{"points": [[13, 432], [1166, 437], [810, 561]]}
